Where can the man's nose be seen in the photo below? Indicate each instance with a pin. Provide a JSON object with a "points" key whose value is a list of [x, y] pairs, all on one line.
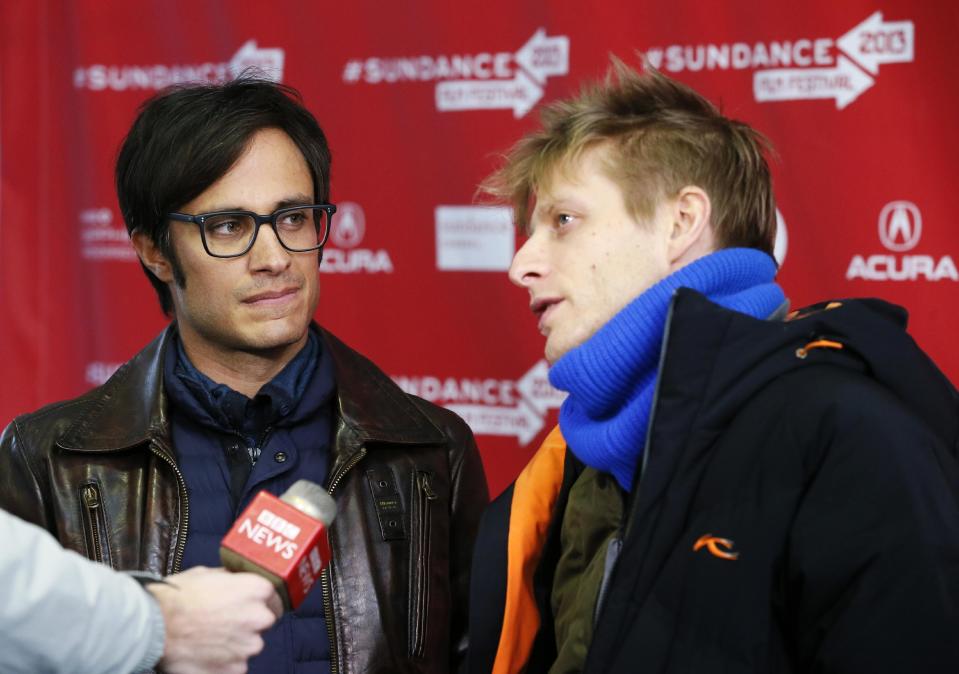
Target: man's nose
{"points": [[529, 263], [268, 254]]}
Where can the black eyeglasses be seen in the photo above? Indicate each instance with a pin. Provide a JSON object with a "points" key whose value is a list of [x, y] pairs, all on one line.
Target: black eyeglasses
{"points": [[299, 229]]}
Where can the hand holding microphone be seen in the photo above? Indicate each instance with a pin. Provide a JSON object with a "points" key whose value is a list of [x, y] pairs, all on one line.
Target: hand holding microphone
{"points": [[284, 540], [213, 619]]}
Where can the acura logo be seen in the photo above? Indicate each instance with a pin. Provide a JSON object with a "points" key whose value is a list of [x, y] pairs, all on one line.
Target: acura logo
{"points": [[900, 226], [349, 225]]}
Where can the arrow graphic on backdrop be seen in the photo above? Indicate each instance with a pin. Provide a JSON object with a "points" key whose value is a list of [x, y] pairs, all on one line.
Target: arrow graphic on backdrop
{"points": [[489, 406], [526, 418], [541, 57], [536, 390], [868, 45], [519, 421], [845, 82], [874, 42], [519, 94], [544, 56], [268, 61]]}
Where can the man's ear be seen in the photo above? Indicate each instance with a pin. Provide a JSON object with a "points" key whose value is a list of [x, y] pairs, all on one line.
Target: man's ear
{"points": [[151, 256], [691, 233]]}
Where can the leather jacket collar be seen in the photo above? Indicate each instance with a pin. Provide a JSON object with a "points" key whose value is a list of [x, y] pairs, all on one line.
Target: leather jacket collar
{"points": [[130, 409]]}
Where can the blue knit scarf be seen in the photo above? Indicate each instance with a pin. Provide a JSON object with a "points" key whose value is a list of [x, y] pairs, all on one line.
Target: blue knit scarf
{"points": [[611, 376]]}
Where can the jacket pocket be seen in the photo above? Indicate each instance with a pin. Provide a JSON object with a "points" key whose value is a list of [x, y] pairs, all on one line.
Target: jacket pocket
{"points": [[94, 523], [423, 497]]}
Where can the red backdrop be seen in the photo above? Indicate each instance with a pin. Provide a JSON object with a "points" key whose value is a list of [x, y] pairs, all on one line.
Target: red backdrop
{"points": [[418, 99]]}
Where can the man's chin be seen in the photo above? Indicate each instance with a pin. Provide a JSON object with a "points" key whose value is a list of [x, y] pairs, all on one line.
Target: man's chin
{"points": [[276, 337], [556, 348], [553, 353]]}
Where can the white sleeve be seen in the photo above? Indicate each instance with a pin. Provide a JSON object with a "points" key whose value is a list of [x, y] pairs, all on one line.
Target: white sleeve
{"points": [[60, 612]]}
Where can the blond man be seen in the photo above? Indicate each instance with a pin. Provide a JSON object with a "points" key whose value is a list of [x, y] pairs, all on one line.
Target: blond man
{"points": [[730, 489]]}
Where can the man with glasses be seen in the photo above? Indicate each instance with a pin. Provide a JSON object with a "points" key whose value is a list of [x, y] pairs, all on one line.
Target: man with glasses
{"points": [[225, 192]]}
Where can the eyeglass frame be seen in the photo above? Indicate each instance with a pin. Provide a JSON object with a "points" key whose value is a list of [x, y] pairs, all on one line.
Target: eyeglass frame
{"points": [[258, 220]]}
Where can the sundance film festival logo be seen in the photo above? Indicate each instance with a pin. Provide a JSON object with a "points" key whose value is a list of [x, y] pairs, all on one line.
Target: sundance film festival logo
{"points": [[483, 81], [900, 229], [265, 62], [804, 68], [504, 407], [342, 254]]}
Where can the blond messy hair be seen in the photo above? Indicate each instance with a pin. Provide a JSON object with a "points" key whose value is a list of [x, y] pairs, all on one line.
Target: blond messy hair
{"points": [[663, 136]]}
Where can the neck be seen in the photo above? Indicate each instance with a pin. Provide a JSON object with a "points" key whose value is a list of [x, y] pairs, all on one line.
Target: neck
{"points": [[244, 371]]}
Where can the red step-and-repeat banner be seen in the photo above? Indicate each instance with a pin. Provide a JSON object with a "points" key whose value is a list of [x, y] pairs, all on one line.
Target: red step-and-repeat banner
{"points": [[419, 100]]}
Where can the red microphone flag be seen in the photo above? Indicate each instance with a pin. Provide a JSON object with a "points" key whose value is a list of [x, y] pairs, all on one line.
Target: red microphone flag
{"points": [[281, 543]]}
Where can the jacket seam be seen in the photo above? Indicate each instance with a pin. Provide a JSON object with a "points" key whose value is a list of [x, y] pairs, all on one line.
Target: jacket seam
{"points": [[24, 450]]}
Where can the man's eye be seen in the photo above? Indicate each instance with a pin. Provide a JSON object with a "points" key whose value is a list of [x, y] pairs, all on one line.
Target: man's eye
{"points": [[295, 219], [225, 227]]}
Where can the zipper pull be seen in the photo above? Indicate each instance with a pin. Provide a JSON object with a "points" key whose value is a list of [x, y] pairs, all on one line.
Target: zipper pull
{"points": [[427, 487], [90, 497]]}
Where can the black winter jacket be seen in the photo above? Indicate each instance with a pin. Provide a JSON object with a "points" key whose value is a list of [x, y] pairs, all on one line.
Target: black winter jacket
{"points": [[831, 476]]}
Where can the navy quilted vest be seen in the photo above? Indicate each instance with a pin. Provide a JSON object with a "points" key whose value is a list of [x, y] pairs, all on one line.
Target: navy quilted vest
{"points": [[296, 447]]}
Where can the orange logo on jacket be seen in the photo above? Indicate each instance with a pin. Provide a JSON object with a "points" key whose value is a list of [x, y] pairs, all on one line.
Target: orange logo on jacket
{"points": [[713, 544]]}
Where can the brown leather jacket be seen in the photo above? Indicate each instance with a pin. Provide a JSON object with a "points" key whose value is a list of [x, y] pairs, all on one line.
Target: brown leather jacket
{"points": [[100, 473]]}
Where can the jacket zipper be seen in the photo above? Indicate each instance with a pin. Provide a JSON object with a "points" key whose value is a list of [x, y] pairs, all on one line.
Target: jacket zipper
{"points": [[260, 444], [184, 507], [627, 523], [91, 509], [326, 578], [420, 563]]}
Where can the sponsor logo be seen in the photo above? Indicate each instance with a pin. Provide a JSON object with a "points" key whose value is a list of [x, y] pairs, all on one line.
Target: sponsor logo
{"points": [[350, 226], [483, 81], [718, 547], [474, 238], [342, 254], [805, 68], [503, 407], [900, 226], [101, 238], [278, 524], [267, 537], [900, 229], [267, 62], [306, 578], [316, 564], [98, 372]]}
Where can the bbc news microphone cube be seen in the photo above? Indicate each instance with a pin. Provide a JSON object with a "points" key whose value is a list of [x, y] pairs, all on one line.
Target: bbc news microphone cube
{"points": [[280, 543]]}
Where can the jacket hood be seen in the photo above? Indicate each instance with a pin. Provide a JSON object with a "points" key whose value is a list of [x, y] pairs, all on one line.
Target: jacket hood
{"points": [[866, 335]]}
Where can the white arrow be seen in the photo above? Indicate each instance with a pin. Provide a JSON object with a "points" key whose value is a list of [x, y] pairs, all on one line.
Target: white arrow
{"points": [[875, 41], [268, 61], [543, 56], [844, 83], [519, 421], [519, 94], [535, 388]]}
